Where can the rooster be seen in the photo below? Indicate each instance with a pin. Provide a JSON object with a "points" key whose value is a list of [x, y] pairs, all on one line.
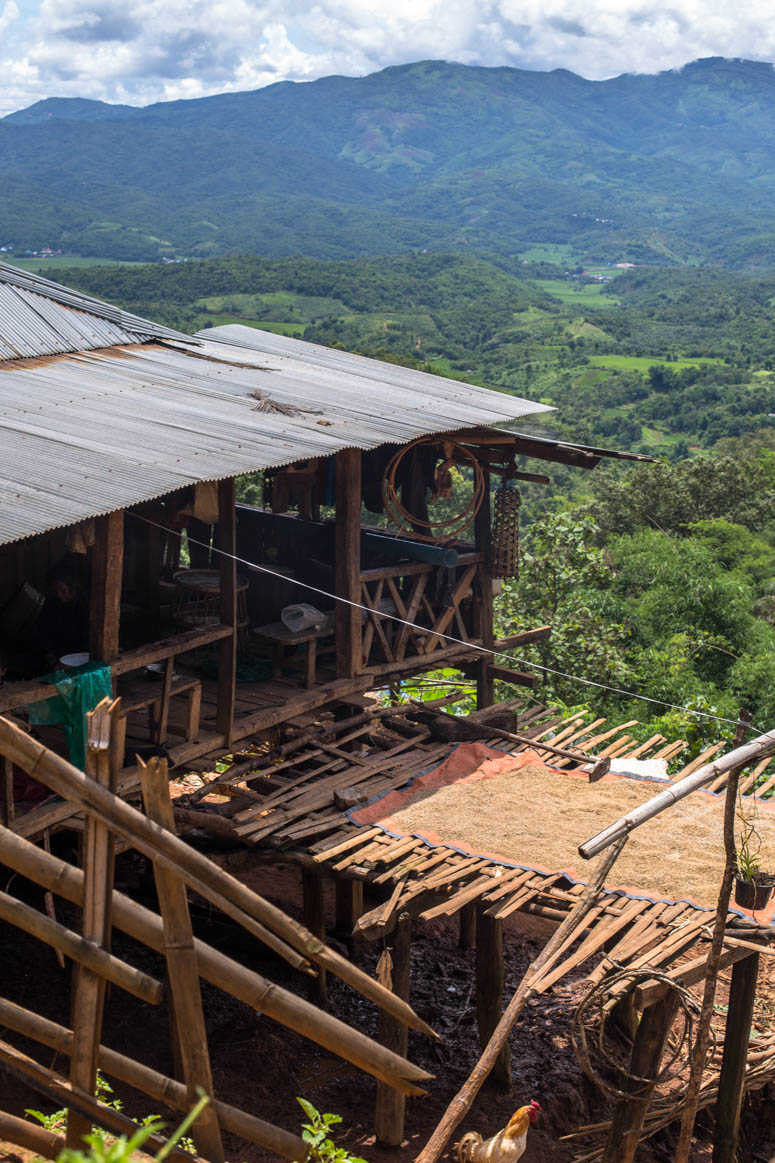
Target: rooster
{"points": [[505, 1147]]}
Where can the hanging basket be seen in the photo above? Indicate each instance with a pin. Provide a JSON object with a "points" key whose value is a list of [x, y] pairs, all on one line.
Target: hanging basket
{"points": [[754, 894], [504, 540]]}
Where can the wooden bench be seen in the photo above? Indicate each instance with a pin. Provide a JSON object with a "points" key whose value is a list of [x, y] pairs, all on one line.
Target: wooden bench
{"points": [[280, 638], [149, 694]]}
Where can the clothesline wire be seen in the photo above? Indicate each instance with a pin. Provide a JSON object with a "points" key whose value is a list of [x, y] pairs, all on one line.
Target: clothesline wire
{"points": [[473, 646]]}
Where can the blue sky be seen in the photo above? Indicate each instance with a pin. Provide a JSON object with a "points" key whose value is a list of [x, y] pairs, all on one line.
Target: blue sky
{"points": [[156, 50]]}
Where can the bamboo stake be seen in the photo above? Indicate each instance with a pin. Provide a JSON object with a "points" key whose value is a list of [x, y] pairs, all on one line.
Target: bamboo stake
{"points": [[133, 980], [702, 1037], [277, 1003], [150, 1082], [463, 1100], [29, 1135], [186, 997], [59, 1090], [739, 757], [206, 878], [89, 997]]}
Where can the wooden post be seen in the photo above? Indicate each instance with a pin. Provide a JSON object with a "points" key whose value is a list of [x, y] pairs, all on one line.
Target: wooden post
{"points": [[314, 916], [647, 1048], [226, 534], [490, 981], [485, 684], [102, 765], [702, 1031], [348, 562], [742, 994], [349, 904], [390, 1107], [467, 919], [182, 966], [6, 793], [106, 569]]}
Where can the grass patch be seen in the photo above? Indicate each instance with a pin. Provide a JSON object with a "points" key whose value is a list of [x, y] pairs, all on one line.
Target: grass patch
{"points": [[642, 363], [64, 262], [548, 252], [577, 294]]}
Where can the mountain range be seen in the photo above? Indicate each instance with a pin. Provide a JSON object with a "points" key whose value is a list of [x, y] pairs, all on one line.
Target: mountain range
{"points": [[671, 168]]}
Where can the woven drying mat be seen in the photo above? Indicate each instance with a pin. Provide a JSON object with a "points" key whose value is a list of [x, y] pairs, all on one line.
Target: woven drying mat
{"points": [[538, 817]]}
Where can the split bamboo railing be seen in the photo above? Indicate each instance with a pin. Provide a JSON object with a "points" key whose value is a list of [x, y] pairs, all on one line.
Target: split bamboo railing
{"points": [[177, 868]]}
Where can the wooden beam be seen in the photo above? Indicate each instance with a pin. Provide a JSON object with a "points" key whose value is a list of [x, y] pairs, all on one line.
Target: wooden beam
{"points": [[390, 1110], [182, 968], [88, 1003], [226, 534], [742, 994], [515, 677], [647, 1049], [314, 917], [349, 654], [485, 681], [107, 562], [490, 981], [523, 638]]}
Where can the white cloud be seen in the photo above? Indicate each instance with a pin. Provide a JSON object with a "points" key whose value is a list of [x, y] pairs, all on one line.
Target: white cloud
{"points": [[165, 49]]}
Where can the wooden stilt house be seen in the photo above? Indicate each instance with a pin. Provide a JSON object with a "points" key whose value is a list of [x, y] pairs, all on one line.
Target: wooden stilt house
{"points": [[121, 441]]}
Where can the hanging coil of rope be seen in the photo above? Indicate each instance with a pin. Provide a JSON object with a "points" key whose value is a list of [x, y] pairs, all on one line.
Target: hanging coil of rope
{"points": [[677, 1055], [454, 454]]}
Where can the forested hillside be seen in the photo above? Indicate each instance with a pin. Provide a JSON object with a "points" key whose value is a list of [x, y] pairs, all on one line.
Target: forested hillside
{"points": [[656, 361], [675, 167]]}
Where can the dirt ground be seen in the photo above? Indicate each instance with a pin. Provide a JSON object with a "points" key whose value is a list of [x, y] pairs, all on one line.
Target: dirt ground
{"points": [[261, 1067]]}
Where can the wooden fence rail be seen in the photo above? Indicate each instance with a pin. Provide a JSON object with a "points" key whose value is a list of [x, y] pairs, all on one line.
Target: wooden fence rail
{"points": [[176, 867]]}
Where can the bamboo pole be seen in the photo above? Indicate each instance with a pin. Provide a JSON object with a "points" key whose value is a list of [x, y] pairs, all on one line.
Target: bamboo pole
{"points": [[60, 1091], [264, 996], [739, 757], [156, 1086], [89, 999], [206, 878], [702, 1036], [134, 981], [23, 1133], [463, 1100], [186, 997]]}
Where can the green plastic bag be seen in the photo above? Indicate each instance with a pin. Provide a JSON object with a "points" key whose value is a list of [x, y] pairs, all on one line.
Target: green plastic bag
{"points": [[79, 690]]}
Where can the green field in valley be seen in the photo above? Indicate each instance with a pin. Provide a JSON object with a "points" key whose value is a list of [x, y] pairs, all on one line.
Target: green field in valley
{"points": [[642, 363], [63, 261], [577, 294]]}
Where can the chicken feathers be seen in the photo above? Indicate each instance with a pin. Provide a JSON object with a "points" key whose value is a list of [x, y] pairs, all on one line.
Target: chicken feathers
{"points": [[506, 1147]]}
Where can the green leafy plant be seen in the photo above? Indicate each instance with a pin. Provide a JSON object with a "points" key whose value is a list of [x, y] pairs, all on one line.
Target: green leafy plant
{"points": [[106, 1149], [749, 844], [316, 1133]]}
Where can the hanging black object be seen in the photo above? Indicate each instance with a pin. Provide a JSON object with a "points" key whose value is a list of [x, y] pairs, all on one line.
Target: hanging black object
{"points": [[504, 540]]}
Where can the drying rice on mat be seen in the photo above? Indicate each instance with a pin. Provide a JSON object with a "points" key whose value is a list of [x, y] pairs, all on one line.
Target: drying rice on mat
{"points": [[538, 817]]}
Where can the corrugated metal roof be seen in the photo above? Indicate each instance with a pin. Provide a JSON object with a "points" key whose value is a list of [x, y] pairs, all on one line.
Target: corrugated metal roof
{"points": [[89, 433], [38, 318]]}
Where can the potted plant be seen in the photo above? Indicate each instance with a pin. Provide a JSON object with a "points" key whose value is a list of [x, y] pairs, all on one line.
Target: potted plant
{"points": [[753, 887]]}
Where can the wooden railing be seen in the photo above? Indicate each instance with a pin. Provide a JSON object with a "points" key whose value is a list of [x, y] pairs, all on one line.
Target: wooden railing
{"points": [[176, 867], [437, 601]]}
